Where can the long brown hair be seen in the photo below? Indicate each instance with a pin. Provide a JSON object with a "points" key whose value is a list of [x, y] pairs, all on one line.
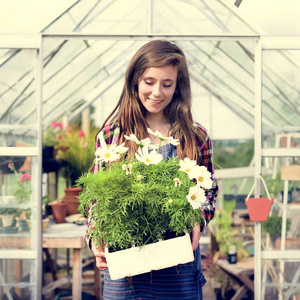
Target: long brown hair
{"points": [[130, 112]]}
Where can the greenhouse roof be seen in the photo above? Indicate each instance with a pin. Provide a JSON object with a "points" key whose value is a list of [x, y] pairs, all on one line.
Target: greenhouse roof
{"points": [[87, 49]]}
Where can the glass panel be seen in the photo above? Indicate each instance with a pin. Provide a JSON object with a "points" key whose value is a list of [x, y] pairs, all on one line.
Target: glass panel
{"points": [[17, 138], [18, 198], [17, 88], [114, 17], [280, 278], [281, 99], [283, 217], [17, 281], [132, 17]]}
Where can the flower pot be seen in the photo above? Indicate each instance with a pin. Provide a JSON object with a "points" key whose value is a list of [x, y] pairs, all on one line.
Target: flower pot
{"points": [[59, 211], [258, 208], [159, 255], [45, 224], [70, 197], [7, 220]]}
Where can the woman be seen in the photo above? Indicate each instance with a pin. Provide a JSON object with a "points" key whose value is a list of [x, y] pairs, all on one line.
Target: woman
{"points": [[157, 95]]}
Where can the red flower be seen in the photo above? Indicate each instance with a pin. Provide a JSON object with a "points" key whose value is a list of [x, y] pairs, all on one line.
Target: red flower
{"points": [[60, 125], [55, 124], [81, 134], [25, 177], [63, 148], [59, 136]]}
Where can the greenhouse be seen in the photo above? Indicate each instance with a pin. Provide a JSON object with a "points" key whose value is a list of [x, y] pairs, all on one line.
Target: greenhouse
{"points": [[59, 85]]}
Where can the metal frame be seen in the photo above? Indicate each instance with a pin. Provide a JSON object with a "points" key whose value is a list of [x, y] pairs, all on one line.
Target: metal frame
{"points": [[29, 42]]}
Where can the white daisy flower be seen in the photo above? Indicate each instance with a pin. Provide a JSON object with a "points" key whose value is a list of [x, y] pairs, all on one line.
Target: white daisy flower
{"points": [[148, 158], [203, 177], [121, 149], [196, 197], [108, 153], [140, 143], [187, 165], [169, 139]]}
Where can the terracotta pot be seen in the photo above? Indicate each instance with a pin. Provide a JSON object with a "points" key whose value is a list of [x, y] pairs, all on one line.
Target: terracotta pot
{"points": [[259, 208], [70, 197], [59, 211]]}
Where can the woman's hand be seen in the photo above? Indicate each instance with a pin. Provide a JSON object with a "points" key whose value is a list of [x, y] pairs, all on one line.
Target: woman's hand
{"points": [[100, 257], [195, 235]]}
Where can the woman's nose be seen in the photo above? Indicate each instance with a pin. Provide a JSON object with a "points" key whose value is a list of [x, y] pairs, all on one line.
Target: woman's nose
{"points": [[156, 90]]}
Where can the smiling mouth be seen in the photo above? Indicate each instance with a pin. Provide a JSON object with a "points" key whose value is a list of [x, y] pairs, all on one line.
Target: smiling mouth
{"points": [[155, 101]]}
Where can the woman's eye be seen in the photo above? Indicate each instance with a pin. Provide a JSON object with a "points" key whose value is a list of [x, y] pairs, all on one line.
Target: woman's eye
{"points": [[148, 82], [167, 85]]}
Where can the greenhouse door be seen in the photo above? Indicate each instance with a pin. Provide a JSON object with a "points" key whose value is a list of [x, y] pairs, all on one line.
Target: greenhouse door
{"points": [[20, 167], [277, 254]]}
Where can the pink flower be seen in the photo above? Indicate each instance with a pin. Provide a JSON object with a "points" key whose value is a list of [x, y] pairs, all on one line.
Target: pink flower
{"points": [[11, 165], [59, 136], [81, 134], [55, 124], [25, 177]]}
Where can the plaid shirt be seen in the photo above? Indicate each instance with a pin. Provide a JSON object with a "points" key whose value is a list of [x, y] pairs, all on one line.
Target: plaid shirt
{"points": [[204, 149]]}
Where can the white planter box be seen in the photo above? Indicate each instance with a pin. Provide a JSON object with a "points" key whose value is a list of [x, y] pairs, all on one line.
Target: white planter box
{"points": [[160, 255]]}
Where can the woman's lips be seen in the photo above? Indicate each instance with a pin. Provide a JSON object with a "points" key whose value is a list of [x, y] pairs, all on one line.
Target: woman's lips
{"points": [[155, 101]]}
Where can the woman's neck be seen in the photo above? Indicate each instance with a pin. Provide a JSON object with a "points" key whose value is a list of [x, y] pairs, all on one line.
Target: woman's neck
{"points": [[162, 124]]}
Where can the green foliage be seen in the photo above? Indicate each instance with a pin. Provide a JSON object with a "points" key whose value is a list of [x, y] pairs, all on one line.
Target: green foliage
{"points": [[275, 185], [274, 224], [8, 211], [138, 208], [233, 155], [76, 151], [223, 221]]}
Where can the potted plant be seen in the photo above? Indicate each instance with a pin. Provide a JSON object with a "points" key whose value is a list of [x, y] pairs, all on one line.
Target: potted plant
{"points": [[76, 154], [7, 215], [22, 193], [143, 202], [224, 233], [59, 210]]}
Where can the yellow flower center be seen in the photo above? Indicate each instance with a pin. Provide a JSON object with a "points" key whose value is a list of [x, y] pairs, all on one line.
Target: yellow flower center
{"points": [[107, 155], [188, 170], [200, 178], [147, 160], [193, 197]]}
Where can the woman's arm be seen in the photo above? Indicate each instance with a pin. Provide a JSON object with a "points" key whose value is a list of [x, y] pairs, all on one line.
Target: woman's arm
{"points": [[205, 154], [108, 133]]}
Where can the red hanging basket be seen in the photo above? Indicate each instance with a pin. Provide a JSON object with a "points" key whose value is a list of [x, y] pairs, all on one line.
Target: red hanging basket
{"points": [[259, 208]]}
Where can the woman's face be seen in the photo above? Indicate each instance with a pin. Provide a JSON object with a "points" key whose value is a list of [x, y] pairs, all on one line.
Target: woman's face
{"points": [[156, 88]]}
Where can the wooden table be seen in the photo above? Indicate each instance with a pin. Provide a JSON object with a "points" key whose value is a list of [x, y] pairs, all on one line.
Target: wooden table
{"points": [[66, 235], [69, 236], [241, 273]]}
